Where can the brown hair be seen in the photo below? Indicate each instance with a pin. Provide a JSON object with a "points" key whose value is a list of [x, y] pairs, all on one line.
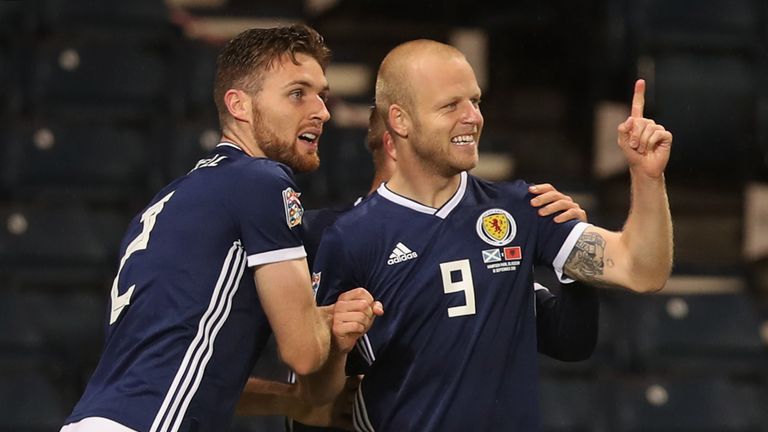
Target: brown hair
{"points": [[244, 58]]}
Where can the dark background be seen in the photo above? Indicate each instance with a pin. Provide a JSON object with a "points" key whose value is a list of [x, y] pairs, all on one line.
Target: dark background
{"points": [[103, 102]]}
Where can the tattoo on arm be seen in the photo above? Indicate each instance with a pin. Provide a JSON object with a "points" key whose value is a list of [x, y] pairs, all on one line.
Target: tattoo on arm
{"points": [[587, 259]]}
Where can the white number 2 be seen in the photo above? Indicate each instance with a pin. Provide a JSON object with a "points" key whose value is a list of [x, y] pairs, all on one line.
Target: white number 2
{"points": [[119, 302], [463, 284]]}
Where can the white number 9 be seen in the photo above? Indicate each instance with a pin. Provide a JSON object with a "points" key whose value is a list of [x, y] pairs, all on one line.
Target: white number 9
{"points": [[463, 284]]}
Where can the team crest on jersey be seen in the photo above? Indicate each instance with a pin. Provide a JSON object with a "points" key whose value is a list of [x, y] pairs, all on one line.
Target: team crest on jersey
{"points": [[316, 282], [496, 227], [293, 209]]}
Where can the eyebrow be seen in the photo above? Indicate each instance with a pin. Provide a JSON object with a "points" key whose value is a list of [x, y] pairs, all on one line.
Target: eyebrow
{"points": [[305, 83]]}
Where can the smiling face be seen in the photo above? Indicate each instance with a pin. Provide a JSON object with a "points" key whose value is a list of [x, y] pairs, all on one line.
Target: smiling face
{"points": [[445, 113], [289, 111]]}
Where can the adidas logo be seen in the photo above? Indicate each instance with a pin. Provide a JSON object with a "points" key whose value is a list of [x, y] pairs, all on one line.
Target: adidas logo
{"points": [[401, 253]]}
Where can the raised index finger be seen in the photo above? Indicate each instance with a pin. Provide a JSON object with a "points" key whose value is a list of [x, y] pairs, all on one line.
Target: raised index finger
{"points": [[638, 99]]}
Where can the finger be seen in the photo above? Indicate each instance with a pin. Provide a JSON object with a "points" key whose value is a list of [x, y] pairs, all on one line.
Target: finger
{"points": [[548, 198], [355, 316], [638, 99], [357, 293], [659, 136], [626, 126], [344, 306], [574, 213], [541, 188], [643, 146], [561, 205], [637, 132], [352, 329], [646, 136]]}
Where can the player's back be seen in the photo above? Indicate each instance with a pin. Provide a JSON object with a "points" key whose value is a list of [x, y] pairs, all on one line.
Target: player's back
{"points": [[185, 324]]}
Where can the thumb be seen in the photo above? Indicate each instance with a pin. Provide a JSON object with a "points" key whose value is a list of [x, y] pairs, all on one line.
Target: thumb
{"points": [[378, 308]]}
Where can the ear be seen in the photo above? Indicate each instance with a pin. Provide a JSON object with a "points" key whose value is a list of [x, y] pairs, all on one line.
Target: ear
{"points": [[398, 120], [238, 104], [389, 145]]}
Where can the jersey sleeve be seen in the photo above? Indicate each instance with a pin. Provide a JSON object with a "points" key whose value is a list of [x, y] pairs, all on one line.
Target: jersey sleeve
{"points": [[332, 267], [555, 242], [269, 213]]}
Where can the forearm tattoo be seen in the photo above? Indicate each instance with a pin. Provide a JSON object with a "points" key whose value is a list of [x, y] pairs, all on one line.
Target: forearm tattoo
{"points": [[587, 259]]}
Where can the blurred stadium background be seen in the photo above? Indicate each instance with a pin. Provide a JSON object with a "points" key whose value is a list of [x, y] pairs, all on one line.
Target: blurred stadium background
{"points": [[103, 101]]}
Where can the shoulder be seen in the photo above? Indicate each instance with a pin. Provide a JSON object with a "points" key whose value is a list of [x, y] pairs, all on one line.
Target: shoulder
{"points": [[515, 189]]}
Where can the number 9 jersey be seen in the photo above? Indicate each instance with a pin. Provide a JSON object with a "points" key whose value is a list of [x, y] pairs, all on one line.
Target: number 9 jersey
{"points": [[185, 325], [456, 348]]}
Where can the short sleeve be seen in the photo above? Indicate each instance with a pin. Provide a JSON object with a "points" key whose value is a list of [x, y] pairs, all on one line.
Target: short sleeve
{"points": [[268, 210], [332, 267], [555, 242]]}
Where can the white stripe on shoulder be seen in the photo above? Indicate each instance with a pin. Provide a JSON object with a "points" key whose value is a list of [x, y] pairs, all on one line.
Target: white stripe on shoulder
{"points": [[188, 376], [565, 250], [276, 256]]}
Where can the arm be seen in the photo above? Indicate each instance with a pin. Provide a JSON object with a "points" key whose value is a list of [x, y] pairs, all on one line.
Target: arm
{"points": [[640, 256], [262, 397], [353, 315], [301, 329], [566, 324]]}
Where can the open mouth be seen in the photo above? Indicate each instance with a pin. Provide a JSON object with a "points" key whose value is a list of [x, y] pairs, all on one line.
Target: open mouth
{"points": [[463, 140], [309, 138]]}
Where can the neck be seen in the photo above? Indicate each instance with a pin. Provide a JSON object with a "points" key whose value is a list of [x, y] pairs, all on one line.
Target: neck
{"points": [[242, 139], [426, 188]]}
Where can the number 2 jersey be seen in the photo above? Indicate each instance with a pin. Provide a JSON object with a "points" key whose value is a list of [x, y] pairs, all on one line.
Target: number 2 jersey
{"points": [[185, 325], [456, 347]]}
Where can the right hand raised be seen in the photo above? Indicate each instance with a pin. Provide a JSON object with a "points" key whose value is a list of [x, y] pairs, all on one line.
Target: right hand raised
{"points": [[353, 315]]}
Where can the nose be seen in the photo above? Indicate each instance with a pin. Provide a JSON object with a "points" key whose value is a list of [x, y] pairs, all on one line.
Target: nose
{"points": [[321, 112], [472, 114]]}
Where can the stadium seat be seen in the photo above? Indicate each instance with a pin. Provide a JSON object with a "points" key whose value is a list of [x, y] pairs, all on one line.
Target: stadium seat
{"points": [[698, 333], [100, 77], [612, 351], [196, 70], [59, 245], [573, 405], [19, 341], [71, 324], [31, 400], [697, 24], [144, 16], [191, 141], [77, 161], [688, 95], [708, 404]]}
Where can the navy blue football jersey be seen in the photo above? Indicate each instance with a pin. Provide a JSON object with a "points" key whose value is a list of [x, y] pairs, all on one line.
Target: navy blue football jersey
{"points": [[456, 347], [185, 325]]}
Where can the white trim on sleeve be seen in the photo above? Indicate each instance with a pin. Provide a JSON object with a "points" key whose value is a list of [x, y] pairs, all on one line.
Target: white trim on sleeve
{"points": [[95, 424], [565, 251], [276, 256]]}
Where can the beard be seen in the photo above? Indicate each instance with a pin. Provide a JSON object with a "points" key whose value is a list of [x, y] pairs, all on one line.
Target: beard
{"points": [[436, 157], [281, 150]]}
